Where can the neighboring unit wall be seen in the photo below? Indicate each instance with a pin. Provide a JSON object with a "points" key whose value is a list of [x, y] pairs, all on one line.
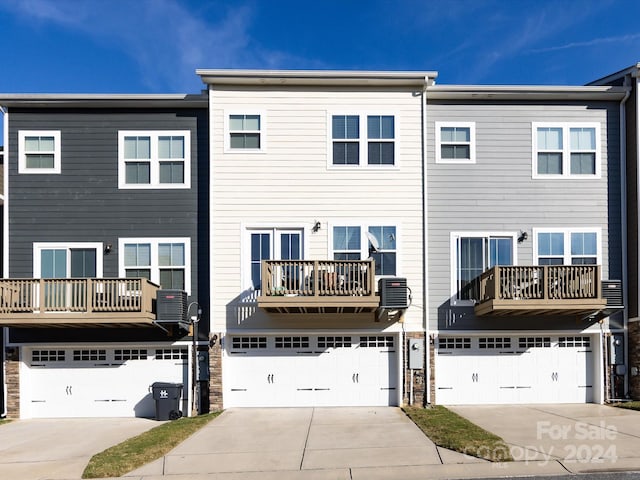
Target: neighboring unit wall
{"points": [[83, 203], [497, 194]]}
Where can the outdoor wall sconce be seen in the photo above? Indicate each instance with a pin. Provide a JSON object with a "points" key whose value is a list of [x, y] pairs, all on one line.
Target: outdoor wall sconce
{"points": [[316, 227], [523, 236], [107, 249]]}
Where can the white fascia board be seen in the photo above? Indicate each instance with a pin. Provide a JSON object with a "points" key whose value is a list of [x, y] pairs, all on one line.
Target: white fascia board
{"points": [[525, 92], [315, 77]]}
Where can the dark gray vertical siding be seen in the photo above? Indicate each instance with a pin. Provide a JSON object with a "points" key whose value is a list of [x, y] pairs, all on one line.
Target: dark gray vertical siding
{"points": [[498, 193], [84, 204]]}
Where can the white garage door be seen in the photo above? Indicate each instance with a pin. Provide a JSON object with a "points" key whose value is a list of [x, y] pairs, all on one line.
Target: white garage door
{"points": [[304, 370], [503, 370], [99, 382]]}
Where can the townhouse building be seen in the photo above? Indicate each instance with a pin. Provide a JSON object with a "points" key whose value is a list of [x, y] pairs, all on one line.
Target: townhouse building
{"points": [[350, 238], [317, 207], [525, 243], [103, 218]]}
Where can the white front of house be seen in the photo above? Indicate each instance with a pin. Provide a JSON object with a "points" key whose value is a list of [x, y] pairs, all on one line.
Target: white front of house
{"points": [[99, 381], [312, 174], [513, 368]]}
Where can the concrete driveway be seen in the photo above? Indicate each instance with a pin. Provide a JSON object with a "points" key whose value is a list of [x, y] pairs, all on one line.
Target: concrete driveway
{"points": [[582, 437], [317, 443], [60, 448]]}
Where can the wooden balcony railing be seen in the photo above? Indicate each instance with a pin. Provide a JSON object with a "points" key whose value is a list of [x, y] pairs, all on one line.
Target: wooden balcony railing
{"points": [[315, 286], [548, 289], [76, 301]]}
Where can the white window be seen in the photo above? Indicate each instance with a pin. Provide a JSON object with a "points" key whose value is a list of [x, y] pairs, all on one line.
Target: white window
{"points": [[567, 246], [455, 142], [472, 253], [67, 260], [362, 140], [244, 132], [165, 261], [359, 242], [154, 159], [39, 151], [273, 244], [566, 150]]}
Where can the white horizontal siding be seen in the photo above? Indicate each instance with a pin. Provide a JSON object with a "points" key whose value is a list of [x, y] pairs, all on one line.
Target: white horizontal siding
{"points": [[291, 183]]}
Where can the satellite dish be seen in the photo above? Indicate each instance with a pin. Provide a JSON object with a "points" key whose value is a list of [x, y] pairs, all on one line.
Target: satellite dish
{"points": [[375, 246]]}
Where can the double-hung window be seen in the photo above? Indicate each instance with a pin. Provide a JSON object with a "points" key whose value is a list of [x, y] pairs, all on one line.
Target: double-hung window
{"points": [[566, 150], [357, 242], [455, 142], [165, 261], [473, 253], [567, 246], [363, 140], [39, 151], [158, 159], [244, 132]]}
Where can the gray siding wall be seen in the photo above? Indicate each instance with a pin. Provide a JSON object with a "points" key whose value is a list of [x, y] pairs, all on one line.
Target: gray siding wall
{"points": [[84, 204], [498, 194]]}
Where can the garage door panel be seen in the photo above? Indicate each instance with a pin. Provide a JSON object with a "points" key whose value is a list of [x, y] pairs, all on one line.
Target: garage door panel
{"points": [[504, 370], [100, 382], [322, 370]]}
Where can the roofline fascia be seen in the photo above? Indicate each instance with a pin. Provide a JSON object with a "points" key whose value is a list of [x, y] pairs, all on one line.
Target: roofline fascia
{"points": [[633, 70], [525, 92], [102, 100], [315, 77]]}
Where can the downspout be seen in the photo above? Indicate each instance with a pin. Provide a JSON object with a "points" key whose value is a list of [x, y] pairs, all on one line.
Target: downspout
{"points": [[623, 225], [425, 244], [5, 252]]}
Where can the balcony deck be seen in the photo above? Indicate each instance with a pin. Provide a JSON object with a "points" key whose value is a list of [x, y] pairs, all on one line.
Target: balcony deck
{"points": [[540, 290], [77, 302], [320, 286]]}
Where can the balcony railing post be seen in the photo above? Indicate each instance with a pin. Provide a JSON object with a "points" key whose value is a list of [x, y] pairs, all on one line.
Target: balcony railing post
{"points": [[316, 275], [496, 282], [42, 300], [598, 289], [545, 283], [89, 294]]}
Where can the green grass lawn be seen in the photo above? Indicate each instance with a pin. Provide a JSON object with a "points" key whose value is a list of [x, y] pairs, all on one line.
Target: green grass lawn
{"points": [[146, 447], [449, 430], [3, 421], [627, 405]]}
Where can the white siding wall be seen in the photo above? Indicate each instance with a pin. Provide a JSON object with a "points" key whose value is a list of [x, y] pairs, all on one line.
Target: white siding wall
{"points": [[290, 184], [498, 194]]}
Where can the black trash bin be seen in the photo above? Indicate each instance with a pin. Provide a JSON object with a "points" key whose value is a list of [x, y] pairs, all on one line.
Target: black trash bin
{"points": [[167, 397]]}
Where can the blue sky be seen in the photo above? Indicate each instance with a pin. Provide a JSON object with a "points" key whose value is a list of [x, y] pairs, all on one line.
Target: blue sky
{"points": [[154, 46]]}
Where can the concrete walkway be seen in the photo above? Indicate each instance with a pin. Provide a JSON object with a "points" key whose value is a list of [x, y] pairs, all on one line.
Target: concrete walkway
{"points": [[318, 443]]}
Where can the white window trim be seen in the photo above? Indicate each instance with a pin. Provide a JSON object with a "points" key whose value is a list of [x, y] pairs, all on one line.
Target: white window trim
{"points": [[154, 174], [566, 150], [154, 267], [567, 241], [453, 255], [57, 149], [227, 132], [363, 160], [39, 246], [472, 143], [364, 241]]}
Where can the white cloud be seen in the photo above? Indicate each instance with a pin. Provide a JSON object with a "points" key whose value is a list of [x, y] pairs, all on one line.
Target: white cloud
{"points": [[165, 39], [589, 43]]}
